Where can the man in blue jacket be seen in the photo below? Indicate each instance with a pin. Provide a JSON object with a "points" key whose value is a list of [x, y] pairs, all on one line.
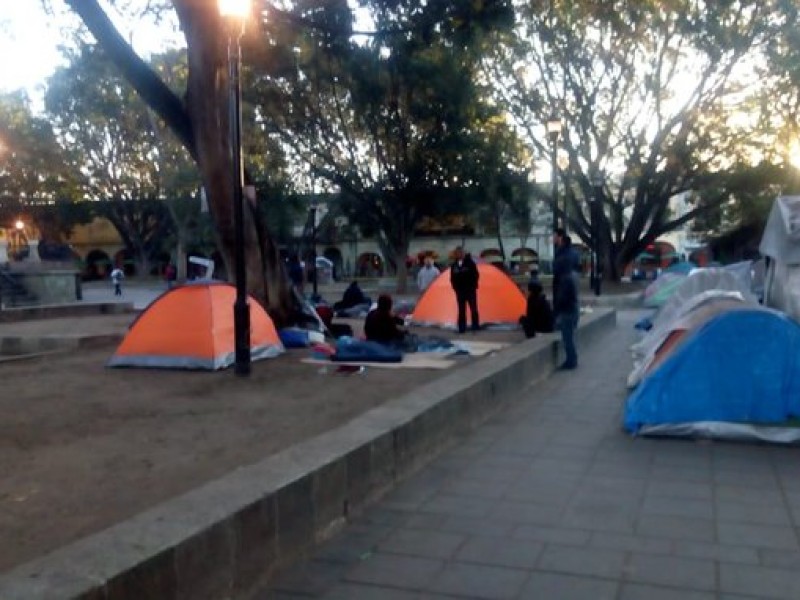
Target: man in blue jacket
{"points": [[565, 295]]}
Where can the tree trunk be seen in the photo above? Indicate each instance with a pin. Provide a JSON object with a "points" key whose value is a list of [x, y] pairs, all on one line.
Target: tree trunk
{"points": [[180, 257], [201, 123], [402, 269], [207, 105]]}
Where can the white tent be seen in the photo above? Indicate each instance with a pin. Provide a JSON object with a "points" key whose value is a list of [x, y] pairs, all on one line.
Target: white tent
{"points": [[781, 243]]}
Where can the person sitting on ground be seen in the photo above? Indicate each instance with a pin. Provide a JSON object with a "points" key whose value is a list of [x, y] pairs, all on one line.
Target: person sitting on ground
{"points": [[382, 325], [538, 317], [353, 296]]}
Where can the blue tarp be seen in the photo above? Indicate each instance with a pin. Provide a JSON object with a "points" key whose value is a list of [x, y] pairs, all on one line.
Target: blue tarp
{"points": [[684, 267], [350, 350], [742, 366]]}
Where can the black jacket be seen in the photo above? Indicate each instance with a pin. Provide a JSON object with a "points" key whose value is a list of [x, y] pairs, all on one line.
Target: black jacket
{"points": [[382, 326], [565, 280], [538, 316], [464, 277]]}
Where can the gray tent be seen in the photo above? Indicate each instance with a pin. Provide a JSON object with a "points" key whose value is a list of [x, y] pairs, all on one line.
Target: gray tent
{"points": [[781, 243]]}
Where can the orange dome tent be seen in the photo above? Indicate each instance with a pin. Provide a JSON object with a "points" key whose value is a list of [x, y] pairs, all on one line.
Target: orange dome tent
{"points": [[500, 301], [191, 327]]}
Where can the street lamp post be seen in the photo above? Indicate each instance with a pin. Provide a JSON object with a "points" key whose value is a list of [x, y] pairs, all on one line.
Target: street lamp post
{"points": [[235, 12], [553, 132], [596, 204], [314, 273]]}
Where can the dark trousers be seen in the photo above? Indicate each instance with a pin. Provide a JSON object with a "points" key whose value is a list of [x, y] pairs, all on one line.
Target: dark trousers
{"points": [[118, 289], [566, 323], [463, 298]]}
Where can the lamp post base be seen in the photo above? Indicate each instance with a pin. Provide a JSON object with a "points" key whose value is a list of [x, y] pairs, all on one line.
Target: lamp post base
{"points": [[241, 327]]}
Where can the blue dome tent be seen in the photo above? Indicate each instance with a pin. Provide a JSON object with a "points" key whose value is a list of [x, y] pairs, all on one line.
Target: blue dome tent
{"points": [[738, 376]]}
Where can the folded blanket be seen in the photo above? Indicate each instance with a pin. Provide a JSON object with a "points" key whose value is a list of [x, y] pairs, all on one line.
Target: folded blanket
{"points": [[363, 351]]}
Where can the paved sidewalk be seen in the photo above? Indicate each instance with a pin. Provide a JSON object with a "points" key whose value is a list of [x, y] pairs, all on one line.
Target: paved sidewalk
{"points": [[550, 499]]}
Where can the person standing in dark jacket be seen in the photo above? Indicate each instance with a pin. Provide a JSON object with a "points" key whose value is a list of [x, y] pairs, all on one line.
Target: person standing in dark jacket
{"points": [[566, 308], [464, 280]]}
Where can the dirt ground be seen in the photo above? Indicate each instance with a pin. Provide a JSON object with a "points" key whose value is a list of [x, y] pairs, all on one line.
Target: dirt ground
{"points": [[83, 447]]}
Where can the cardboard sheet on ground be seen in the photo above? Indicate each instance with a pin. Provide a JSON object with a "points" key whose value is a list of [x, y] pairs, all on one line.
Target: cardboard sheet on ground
{"points": [[417, 360]]}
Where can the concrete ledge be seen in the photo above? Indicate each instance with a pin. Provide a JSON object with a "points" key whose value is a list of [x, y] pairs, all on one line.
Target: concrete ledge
{"points": [[54, 311], [17, 345], [225, 539]]}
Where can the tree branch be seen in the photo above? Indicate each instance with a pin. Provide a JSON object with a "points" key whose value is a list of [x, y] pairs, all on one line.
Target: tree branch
{"points": [[147, 84]]}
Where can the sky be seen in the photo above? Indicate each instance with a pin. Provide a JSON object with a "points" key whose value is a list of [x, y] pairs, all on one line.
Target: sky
{"points": [[29, 40]]}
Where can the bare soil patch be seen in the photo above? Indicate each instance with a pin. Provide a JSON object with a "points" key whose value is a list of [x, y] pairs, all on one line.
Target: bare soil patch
{"points": [[83, 447]]}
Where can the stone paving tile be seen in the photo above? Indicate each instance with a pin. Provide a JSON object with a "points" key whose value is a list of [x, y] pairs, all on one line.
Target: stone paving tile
{"points": [[352, 591], [482, 527], [681, 473], [582, 561], [636, 543], [781, 559], [425, 543], [765, 497], [683, 455], [475, 488], [478, 581], [490, 474], [677, 528], [631, 470], [351, 544], [568, 587], [599, 516], [693, 574], [718, 552], [626, 489], [680, 489], [638, 591], [555, 466], [554, 535], [402, 572], [518, 554], [760, 536], [743, 512], [465, 506], [541, 492], [685, 507], [526, 512], [746, 476], [761, 582]]}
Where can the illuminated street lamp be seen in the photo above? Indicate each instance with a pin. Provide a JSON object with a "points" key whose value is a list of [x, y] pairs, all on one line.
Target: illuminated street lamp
{"points": [[20, 225], [236, 12], [595, 204], [553, 133]]}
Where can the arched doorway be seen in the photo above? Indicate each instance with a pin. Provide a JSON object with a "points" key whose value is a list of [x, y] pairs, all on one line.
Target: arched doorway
{"points": [[524, 260], [124, 261], [97, 265], [492, 255], [370, 264]]}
